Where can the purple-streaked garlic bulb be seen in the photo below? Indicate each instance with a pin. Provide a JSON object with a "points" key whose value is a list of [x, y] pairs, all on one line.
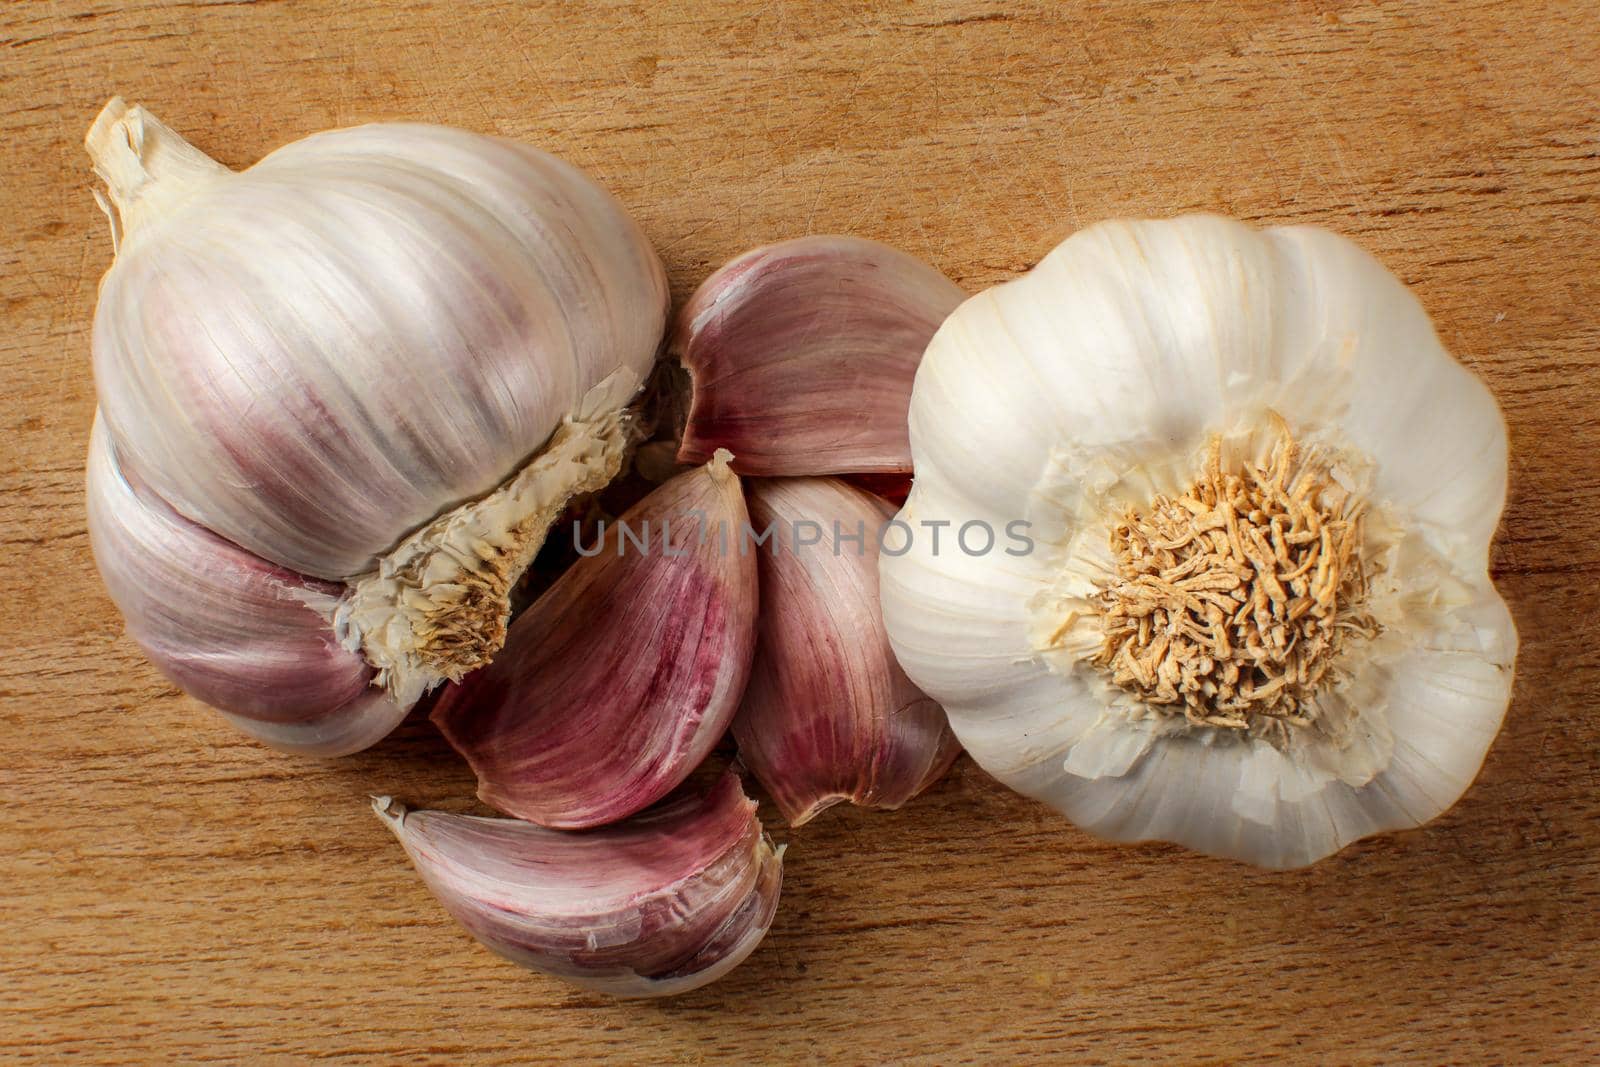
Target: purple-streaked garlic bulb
{"points": [[661, 904], [618, 681], [383, 357], [828, 715], [801, 356]]}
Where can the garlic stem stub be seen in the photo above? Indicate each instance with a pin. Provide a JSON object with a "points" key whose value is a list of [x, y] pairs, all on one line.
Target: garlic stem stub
{"points": [[1257, 618], [828, 715], [244, 635], [801, 356], [659, 905], [618, 681], [383, 356]]}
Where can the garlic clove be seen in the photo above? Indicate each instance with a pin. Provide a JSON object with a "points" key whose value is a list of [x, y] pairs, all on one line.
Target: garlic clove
{"points": [[828, 715], [385, 355], [245, 636], [658, 905], [802, 353], [624, 674]]}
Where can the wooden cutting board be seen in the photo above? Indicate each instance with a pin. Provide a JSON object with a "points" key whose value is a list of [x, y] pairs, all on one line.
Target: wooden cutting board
{"points": [[173, 892]]}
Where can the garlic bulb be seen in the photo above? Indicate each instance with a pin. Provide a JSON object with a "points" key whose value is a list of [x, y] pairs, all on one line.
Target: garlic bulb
{"points": [[1254, 613], [619, 680], [246, 636], [384, 356], [659, 905], [801, 355], [829, 716]]}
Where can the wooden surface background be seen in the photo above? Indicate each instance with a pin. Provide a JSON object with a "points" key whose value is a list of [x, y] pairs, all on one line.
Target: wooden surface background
{"points": [[174, 892]]}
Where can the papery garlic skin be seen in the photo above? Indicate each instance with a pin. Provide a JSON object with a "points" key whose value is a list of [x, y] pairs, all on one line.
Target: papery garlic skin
{"points": [[828, 715], [317, 356], [248, 637], [618, 681], [1092, 385], [659, 905], [801, 355]]}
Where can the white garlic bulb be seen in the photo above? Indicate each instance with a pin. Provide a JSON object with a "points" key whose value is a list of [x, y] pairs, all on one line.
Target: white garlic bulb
{"points": [[384, 356], [1256, 617]]}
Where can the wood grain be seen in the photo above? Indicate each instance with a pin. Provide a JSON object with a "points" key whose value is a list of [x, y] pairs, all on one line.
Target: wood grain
{"points": [[175, 893]]}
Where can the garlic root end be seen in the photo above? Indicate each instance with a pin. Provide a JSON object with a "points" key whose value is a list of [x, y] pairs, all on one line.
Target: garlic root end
{"points": [[438, 605]]}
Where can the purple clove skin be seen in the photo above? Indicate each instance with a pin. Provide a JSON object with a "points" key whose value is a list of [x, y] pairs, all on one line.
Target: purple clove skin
{"points": [[619, 680], [802, 353], [248, 637], [828, 715], [661, 904]]}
